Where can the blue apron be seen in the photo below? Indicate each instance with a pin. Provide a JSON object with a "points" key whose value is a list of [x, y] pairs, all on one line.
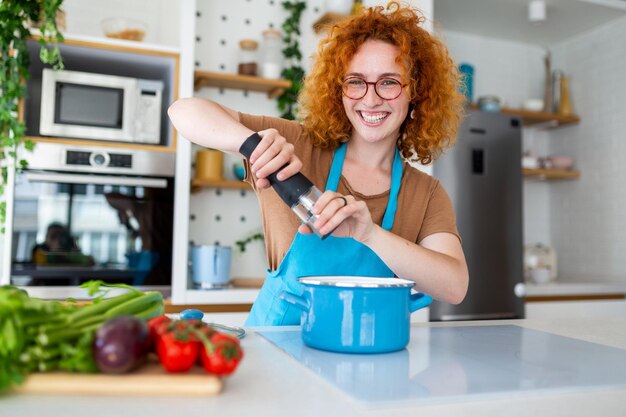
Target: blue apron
{"points": [[309, 255]]}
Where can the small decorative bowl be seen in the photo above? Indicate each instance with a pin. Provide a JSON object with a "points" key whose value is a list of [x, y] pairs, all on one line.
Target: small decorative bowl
{"points": [[540, 275], [533, 104], [122, 28], [239, 171]]}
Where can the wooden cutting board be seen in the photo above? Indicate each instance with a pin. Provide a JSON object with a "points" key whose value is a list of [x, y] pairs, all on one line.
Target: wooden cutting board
{"points": [[149, 380]]}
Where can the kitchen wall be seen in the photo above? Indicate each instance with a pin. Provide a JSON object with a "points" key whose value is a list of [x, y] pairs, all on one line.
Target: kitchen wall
{"points": [[513, 71], [161, 17], [582, 219], [588, 216]]}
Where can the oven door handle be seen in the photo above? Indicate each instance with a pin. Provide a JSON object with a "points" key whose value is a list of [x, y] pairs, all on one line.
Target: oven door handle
{"points": [[97, 179]]}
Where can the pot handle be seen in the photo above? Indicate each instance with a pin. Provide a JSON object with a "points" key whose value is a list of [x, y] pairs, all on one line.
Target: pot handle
{"points": [[419, 300], [296, 300]]}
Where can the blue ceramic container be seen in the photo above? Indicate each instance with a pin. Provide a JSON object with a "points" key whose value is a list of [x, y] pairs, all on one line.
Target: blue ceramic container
{"points": [[239, 171], [356, 314]]}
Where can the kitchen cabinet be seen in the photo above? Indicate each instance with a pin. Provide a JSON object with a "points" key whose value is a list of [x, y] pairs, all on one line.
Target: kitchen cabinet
{"points": [[110, 57], [581, 309], [580, 300], [57, 161], [273, 88], [229, 305]]}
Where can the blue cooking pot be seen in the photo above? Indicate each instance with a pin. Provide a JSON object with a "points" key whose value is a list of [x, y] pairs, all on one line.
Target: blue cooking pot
{"points": [[356, 314]]}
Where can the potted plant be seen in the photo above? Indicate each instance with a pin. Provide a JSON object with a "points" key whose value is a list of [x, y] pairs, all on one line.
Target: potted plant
{"points": [[17, 17]]}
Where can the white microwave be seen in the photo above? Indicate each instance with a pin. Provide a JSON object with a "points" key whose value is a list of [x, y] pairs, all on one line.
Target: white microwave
{"points": [[100, 107]]}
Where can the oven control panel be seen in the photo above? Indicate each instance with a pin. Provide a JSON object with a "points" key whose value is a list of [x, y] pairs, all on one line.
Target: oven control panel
{"points": [[99, 159]]}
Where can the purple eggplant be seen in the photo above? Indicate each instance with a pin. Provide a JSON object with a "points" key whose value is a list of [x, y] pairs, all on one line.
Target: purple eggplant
{"points": [[121, 344]]}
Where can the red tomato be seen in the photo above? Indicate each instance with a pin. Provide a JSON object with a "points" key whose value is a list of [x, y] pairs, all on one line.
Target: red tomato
{"points": [[224, 356], [177, 355], [157, 326], [156, 323], [208, 332], [218, 337]]}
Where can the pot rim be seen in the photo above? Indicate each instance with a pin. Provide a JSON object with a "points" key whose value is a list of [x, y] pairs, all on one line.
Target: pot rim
{"points": [[356, 282]]}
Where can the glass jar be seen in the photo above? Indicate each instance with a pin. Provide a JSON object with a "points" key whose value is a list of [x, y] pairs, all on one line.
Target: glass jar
{"points": [[565, 102], [272, 55], [247, 57]]}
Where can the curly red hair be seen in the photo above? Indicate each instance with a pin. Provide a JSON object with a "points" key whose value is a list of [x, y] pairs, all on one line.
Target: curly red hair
{"points": [[430, 74]]}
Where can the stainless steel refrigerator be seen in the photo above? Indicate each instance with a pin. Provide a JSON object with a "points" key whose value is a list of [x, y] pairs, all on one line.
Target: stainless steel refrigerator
{"points": [[483, 176]]}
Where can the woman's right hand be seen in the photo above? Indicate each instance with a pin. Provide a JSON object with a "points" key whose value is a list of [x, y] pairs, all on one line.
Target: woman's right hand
{"points": [[272, 154]]}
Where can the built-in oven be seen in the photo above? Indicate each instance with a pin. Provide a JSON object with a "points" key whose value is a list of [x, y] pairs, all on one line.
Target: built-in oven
{"points": [[88, 212]]}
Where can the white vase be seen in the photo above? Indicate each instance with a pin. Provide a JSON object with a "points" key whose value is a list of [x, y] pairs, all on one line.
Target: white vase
{"points": [[339, 6]]}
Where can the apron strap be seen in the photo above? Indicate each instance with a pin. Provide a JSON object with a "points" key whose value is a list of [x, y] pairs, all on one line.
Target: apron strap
{"points": [[335, 169], [396, 178]]}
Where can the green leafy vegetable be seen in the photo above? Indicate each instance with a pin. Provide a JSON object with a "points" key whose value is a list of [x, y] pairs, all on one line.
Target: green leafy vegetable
{"points": [[42, 335]]}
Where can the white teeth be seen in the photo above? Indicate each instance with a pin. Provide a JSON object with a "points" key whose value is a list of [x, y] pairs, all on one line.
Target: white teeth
{"points": [[373, 118]]}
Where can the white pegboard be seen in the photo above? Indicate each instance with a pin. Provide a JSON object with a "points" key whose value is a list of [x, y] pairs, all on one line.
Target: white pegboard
{"points": [[226, 216], [221, 25]]}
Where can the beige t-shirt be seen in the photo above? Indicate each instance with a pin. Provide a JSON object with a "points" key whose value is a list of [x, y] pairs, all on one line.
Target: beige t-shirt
{"points": [[424, 207]]}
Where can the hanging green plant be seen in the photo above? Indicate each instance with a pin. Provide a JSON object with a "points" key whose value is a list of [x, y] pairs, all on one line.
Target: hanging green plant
{"points": [[16, 16], [293, 58], [241, 244]]}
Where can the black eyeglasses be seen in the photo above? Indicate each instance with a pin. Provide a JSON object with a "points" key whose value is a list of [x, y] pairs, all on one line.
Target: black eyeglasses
{"points": [[385, 88]]}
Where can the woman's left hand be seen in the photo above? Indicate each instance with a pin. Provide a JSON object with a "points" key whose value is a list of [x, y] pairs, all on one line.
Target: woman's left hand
{"points": [[344, 216]]}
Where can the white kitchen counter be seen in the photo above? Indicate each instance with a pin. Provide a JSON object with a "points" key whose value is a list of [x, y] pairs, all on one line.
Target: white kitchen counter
{"points": [[575, 288], [271, 383], [555, 289]]}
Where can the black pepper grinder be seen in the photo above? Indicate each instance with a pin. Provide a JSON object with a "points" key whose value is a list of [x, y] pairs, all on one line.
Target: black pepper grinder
{"points": [[296, 191]]}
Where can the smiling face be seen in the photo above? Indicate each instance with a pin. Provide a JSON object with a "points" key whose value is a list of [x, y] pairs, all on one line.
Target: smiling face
{"points": [[374, 119]]}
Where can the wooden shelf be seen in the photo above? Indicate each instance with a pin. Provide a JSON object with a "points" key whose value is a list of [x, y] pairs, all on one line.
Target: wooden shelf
{"points": [[121, 45], [273, 88], [108, 144], [530, 118], [327, 20], [551, 174], [537, 117], [198, 183]]}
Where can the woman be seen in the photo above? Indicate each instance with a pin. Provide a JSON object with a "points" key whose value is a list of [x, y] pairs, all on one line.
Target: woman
{"points": [[381, 89]]}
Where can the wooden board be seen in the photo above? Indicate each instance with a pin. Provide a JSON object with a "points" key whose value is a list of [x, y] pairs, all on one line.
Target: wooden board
{"points": [[149, 380]]}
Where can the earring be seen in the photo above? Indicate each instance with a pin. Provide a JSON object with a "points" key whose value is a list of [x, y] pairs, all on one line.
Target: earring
{"points": [[412, 114]]}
